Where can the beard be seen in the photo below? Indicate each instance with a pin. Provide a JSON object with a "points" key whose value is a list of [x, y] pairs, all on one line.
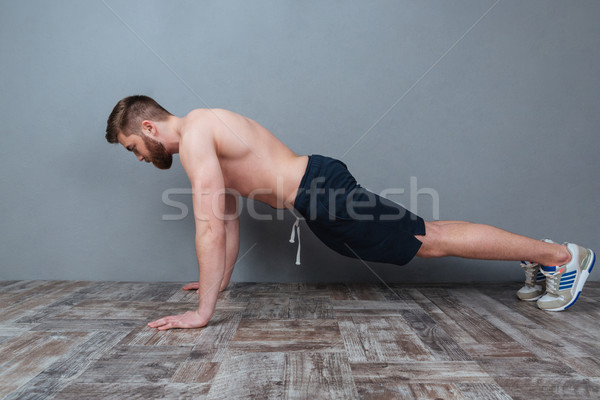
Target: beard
{"points": [[159, 156]]}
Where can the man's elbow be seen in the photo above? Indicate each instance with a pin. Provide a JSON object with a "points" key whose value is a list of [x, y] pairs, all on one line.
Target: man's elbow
{"points": [[211, 231]]}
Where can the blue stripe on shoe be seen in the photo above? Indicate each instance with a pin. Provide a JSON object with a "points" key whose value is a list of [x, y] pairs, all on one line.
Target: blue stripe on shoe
{"points": [[569, 274], [548, 268], [565, 287], [573, 301]]}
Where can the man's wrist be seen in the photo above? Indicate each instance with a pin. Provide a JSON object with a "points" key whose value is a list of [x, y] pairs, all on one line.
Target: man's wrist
{"points": [[205, 313]]}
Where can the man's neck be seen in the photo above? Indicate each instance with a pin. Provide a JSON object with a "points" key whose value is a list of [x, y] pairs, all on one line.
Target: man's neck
{"points": [[171, 133]]}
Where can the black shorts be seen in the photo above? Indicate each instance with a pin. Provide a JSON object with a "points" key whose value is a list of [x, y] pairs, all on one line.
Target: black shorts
{"points": [[352, 220]]}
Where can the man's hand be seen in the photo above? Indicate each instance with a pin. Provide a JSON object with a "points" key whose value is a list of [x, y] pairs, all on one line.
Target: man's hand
{"points": [[194, 286], [191, 286], [191, 319]]}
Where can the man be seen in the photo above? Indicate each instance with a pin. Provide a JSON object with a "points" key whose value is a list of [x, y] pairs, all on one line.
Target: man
{"points": [[226, 155]]}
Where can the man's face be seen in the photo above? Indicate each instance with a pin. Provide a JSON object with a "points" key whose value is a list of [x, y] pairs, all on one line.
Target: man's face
{"points": [[147, 149]]}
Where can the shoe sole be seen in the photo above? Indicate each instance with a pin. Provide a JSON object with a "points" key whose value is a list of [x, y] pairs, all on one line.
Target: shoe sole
{"points": [[584, 275], [532, 299], [543, 284]]}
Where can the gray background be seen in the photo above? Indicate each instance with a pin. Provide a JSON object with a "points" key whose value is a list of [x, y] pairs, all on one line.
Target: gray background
{"points": [[496, 109]]}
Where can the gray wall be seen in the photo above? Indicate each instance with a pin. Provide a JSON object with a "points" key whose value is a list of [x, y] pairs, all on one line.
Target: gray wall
{"points": [[500, 118]]}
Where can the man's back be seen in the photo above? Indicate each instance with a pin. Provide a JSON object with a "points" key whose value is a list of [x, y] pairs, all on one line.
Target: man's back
{"points": [[254, 163]]}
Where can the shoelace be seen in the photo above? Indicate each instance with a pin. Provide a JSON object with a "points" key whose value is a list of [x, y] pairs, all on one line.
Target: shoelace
{"points": [[552, 281], [552, 284], [530, 273], [296, 227]]}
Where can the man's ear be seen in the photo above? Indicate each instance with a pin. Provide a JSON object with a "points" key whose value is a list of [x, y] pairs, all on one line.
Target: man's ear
{"points": [[149, 128]]}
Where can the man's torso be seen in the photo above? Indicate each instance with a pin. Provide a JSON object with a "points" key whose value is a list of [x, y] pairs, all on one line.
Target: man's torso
{"points": [[254, 163]]}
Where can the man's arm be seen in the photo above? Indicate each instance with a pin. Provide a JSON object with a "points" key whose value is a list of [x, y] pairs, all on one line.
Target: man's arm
{"points": [[232, 242], [232, 229], [199, 159]]}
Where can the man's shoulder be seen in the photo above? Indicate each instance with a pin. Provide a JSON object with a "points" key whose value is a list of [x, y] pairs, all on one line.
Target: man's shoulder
{"points": [[204, 125], [197, 124], [209, 113], [196, 147], [206, 120], [198, 113], [197, 135]]}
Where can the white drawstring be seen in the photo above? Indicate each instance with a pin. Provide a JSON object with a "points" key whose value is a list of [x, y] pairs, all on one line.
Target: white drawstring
{"points": [[294, 227]]}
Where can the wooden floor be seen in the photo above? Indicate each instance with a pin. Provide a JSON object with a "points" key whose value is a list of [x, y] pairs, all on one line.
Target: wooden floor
{"points": [[83, 340]]}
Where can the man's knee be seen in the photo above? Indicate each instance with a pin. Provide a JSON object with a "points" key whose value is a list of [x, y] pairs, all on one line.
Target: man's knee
{"points": [[432, 242]]}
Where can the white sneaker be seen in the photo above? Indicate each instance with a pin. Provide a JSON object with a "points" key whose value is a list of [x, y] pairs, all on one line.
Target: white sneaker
{"points": [[535, 280], [565, 282]]}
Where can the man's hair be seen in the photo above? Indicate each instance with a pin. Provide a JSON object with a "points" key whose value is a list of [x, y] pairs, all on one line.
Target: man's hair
{"points": [[129, 113]]}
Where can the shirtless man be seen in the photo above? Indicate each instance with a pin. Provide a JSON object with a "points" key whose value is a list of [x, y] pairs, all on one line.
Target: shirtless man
{"points": [[222, 150]]}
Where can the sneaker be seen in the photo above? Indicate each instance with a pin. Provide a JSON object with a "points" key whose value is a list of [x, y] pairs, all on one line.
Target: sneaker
{"points": [[535, 282], [565, 282]]}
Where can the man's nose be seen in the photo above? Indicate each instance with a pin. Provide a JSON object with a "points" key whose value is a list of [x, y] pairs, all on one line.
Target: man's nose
{"points": [[140, 157]]}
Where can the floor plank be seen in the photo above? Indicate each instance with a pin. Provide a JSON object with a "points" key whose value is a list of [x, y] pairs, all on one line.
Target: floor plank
{"points": [[318, 375], [136, 364], [249, 376], [141, 391], [420, 372], [268, 335]]}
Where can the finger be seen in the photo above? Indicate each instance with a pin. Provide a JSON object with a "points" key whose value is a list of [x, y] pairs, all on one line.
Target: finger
{"points": [[191, 286], [164, 327], [170, 325], [156, 323], [160, 322]]}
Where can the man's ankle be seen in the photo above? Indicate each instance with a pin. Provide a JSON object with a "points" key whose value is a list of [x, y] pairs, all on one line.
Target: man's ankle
{"points": [[566, 255]]}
